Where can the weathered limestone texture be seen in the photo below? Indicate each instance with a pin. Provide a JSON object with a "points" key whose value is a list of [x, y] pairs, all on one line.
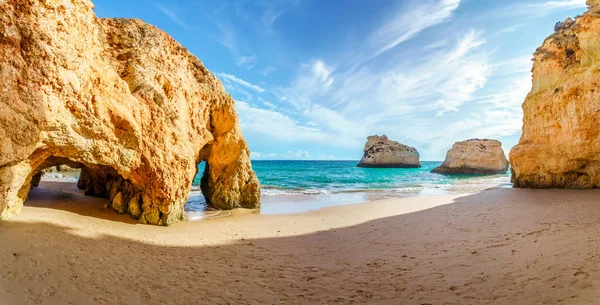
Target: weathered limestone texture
{"points": [[474, 157], [560, 144], [382, 152], [120, 99]]}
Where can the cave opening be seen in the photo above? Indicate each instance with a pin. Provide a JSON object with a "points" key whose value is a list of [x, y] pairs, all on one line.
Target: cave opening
{"points": [[62, 183], [197, 204]]}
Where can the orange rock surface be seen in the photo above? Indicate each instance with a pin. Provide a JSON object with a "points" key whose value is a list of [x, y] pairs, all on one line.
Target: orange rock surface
{"points": [[560, 143], [121, 99]]}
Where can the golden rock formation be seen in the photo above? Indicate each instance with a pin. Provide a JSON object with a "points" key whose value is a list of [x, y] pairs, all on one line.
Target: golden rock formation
{"points": [[122, 100], [474, 157], [560, 144], [383, 152]]}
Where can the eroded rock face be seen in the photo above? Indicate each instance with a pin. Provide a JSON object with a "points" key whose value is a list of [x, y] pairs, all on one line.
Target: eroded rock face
{"points": [[121, 99], [383, 152], [560, 144], [474, 157]]}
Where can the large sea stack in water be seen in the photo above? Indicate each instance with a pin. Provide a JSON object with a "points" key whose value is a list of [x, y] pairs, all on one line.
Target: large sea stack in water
{"points": [[120, 99], [560, 144], [383, 152], [474, 157]]}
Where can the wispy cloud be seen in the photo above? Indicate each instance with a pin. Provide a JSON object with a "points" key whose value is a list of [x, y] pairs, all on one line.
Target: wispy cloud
{"points": [[352, 104], [407, 23], [270, 16], [174, 17], [275, 125], [564, 4], [246, 61], [445, 83], [266, 71], [232, 79], [541, 8], [290, 155], [508, 29], [227, 37]]}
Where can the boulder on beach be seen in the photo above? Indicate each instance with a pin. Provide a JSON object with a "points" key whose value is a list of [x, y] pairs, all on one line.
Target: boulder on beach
{"points": [[382, 152], [560, 143], [474, 157], [120, 99]]}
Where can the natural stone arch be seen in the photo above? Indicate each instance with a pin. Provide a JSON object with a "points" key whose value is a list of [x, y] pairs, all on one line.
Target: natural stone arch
{"points": [[125, 101]]}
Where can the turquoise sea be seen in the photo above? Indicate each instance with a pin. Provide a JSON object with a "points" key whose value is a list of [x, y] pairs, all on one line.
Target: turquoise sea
{"points": [[297, 186]]}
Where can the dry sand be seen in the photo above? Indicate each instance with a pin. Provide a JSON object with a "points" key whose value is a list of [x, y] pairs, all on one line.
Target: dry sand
{"points": [[501, 246]]}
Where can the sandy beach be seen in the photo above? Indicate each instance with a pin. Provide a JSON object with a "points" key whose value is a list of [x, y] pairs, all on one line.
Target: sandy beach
{"points": [[499, 246]]}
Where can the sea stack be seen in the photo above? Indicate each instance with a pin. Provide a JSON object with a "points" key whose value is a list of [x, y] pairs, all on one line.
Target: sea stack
{"points": [[474, 157], [120, 99], [560, 143], [382, 152]]}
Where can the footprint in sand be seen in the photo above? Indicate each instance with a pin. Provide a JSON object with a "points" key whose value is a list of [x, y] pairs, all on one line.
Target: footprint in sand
{"points": [[49, 292]]}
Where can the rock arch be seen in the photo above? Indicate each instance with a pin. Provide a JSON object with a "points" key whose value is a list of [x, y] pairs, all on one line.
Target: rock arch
{"points": [[121, 99]]}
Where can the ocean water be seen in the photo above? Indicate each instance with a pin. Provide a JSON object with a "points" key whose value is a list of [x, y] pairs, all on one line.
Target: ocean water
{"points": [[297, 186]]}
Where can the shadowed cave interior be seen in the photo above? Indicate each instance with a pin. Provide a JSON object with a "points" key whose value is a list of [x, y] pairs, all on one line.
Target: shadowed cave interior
{"points": [[103, 181]]}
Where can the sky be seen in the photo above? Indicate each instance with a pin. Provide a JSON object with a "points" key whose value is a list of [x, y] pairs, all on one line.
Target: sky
{"points": [[312, 79]]}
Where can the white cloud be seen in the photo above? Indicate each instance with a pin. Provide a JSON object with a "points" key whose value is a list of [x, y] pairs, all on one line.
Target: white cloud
{"points": [[564, 4], [267, 70], [283, 128], [274, 124], [232, 79], [540, 8], [231, 89], [401, 99], [291, 155], [312, 78], [409, 22], [508, 29], [269, 17], [267, 104], [518, 65], [449, 87], [245, 61], [173, 16], [227, 37], [472, 40]]}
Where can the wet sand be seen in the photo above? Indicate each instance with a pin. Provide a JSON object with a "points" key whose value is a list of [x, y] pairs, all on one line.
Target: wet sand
{"points": [[499, 246]]}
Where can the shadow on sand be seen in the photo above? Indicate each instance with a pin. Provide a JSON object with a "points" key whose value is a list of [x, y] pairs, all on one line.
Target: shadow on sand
{"points": [[502, 246], [72, 200]]}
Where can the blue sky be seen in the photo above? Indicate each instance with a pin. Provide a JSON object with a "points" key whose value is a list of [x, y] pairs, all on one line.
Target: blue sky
{"points": [[312, 79]]}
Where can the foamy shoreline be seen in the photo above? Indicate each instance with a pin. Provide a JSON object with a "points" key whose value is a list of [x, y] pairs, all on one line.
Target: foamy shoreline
{"points": [[278, 200]]}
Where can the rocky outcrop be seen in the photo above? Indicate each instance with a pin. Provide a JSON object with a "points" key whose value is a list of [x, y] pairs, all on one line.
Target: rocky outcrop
{"points": [[122, 100], [474, 157], [560, 144], [383, 152]]}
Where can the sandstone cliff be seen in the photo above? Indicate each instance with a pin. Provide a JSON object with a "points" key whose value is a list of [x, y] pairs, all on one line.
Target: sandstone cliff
{"points": [[382, 152], [122, 100], [474, 157], [560, 144]]}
